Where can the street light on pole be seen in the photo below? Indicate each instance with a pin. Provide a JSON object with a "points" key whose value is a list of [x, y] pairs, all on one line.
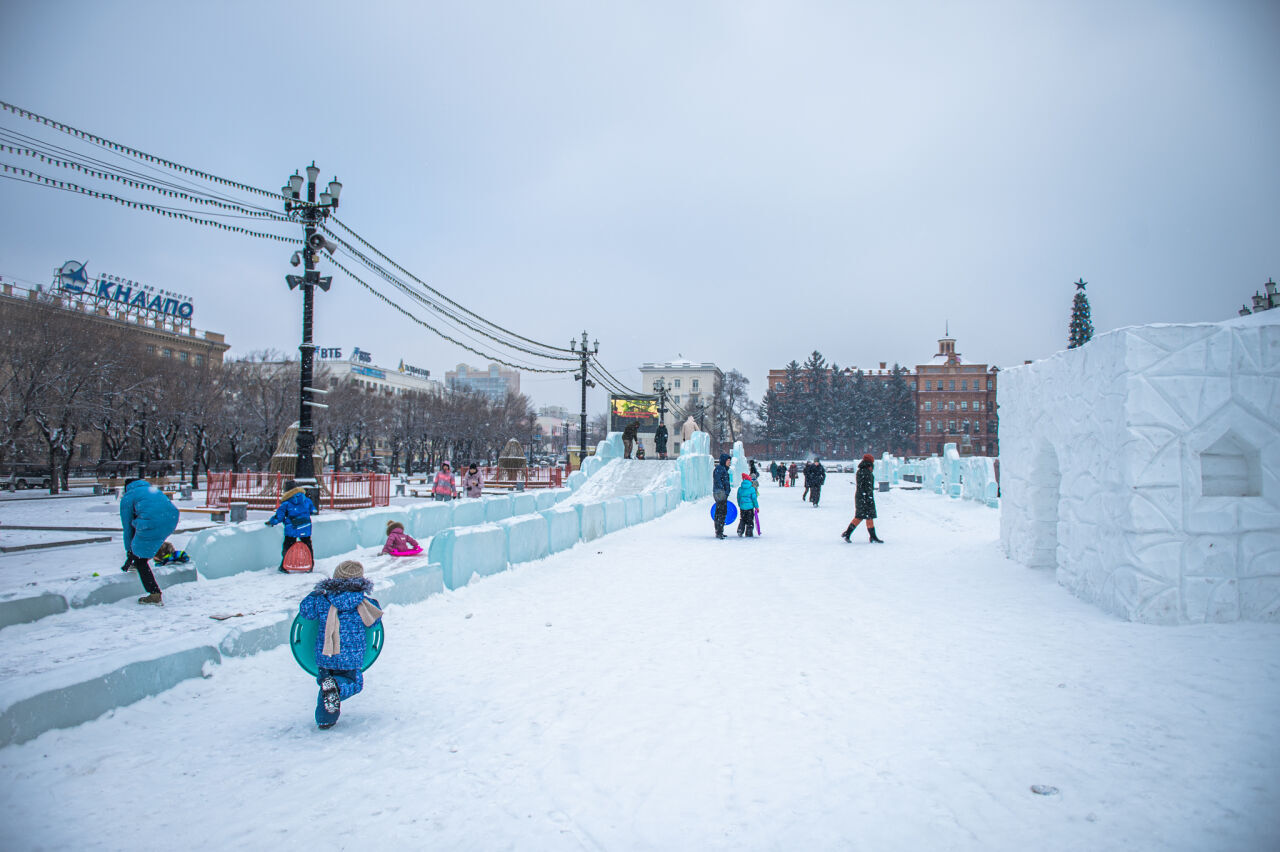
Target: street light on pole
{"points": [[585, 354], [310, 213]]}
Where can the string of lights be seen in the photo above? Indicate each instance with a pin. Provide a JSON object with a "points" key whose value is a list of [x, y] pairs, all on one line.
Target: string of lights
{"points": [[134, 152], [186, 216], [137, 184]]}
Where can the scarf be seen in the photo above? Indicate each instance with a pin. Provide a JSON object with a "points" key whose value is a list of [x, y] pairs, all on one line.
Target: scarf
{"points": [[333, 638]]}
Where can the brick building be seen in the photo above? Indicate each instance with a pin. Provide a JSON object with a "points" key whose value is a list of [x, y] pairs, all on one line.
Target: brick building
{"points": [[955, 403]]}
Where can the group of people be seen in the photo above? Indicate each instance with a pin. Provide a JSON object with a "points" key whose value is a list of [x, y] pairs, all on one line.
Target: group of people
{"points": [[815, 475], [631, 440]]}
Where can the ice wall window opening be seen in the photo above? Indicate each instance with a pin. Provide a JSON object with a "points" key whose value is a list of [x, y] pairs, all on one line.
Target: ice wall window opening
{"points": [[1230, 467]]}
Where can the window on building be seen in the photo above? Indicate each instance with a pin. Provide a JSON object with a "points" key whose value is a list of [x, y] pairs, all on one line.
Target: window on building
{"points": [[977, 405], [151, 349], [952, 385], [926, 426], [199, 360], [677, 383], [84, 451], [183, 356], [951, 426], [928, 386], [964, 384], [988, 384], [927, 406], [676, 399], [695, 384], [952, 405], [913, 386], [166, 352], [977, 426], [964, 427], [964, 405]]}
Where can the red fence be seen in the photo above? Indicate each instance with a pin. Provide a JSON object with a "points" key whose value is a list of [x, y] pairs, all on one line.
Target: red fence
{"points": [[534, 477], [263, 490]]}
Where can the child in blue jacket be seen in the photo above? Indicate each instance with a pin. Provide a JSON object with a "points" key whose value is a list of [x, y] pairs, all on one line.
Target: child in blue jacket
{"points": [[344, 610], [295, 510], [747, 503]]}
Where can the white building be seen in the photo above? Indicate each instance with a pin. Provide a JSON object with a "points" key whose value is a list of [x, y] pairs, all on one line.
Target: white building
{"points": [[690, 386], [361, 368], [1144, 469]]}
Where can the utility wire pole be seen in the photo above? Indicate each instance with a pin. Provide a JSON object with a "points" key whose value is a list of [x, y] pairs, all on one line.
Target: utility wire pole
{"points": [[585, 355], [310, 213]]}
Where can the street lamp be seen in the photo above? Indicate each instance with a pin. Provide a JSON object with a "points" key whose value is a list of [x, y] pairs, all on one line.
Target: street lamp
{"points": [[310, 213], [585, 355]]}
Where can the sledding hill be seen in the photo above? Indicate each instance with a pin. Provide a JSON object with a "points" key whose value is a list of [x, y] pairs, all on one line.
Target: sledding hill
{"points": [[623, 476]]}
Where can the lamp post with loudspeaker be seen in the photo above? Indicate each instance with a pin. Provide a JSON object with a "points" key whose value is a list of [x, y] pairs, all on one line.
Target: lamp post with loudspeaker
{"points": [[310, 213]]}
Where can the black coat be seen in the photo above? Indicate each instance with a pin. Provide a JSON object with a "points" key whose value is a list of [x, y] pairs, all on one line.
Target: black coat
{"points": [[629, 433], [814, 475], [864, 498], [660, 439]]}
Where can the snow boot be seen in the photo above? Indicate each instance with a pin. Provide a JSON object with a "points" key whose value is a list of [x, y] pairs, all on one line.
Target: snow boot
{"points": [[330, 697], [153, 598], [848, 531], [872, 537]]}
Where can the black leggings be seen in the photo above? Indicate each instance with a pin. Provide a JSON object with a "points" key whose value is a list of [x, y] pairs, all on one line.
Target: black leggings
{"points": [[144, 574]]}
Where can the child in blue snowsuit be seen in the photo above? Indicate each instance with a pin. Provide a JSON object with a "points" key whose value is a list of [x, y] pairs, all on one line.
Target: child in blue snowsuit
{"points": [[344, 609], [747, 503], [295, 510]]}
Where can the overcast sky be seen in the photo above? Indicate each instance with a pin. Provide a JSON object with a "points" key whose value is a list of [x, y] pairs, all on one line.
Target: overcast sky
{"points": [[731, 182]]}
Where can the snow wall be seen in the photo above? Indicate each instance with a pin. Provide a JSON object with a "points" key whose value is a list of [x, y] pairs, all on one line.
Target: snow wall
{"points": [[1144, 468], [500, 531]]}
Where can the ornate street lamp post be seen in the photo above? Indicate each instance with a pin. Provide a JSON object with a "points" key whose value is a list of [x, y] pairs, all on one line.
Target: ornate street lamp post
{"points": [[310, 213]]}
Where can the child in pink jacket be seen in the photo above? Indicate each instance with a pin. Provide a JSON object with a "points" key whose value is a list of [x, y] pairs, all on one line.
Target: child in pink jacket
{"points": [[399, 542]]}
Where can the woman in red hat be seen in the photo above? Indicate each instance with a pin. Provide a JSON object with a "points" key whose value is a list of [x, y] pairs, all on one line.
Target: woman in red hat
{"points": [[864, 500]]}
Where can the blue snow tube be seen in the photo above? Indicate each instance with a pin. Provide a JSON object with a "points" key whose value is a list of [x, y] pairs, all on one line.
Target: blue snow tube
{"points": [[302, 642], [730, 512]]}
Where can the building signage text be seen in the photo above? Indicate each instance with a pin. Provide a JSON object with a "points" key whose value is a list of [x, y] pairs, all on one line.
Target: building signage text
{"points": [[73, 279], [414, 371]]}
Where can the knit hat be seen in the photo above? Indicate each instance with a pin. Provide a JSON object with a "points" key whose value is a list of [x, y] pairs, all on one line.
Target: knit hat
{"points": [[391, 525], [348, 570], [869, 458], [746, 476]]}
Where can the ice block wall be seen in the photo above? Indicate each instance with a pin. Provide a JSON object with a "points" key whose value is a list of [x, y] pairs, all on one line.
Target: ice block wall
{"points": [[1144, 469]]}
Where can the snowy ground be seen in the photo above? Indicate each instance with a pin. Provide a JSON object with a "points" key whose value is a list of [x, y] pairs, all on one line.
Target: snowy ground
{"points": [[659, 689]]}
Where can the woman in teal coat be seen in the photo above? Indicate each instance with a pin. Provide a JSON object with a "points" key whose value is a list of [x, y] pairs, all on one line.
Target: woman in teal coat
{"points": [[747, 503], [148, 518]]}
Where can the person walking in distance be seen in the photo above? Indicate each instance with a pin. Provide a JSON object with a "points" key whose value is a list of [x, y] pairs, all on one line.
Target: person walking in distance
{"points": [[864, 500], [660, 441], [629, 439], [819, 477], [720, 487], [808, 480], [147, 518], [792, 472]]}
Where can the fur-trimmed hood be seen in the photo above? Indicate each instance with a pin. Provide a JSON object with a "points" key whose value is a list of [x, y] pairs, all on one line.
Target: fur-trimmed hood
{"points": [[347, 584]]}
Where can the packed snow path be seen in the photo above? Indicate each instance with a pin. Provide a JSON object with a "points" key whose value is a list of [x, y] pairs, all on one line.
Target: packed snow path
{"points": [[659, 689]]}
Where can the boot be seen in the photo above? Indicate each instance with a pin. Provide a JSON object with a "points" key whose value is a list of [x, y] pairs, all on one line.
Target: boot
{"points": [[848, 531], [872, 537], [153, 598]]}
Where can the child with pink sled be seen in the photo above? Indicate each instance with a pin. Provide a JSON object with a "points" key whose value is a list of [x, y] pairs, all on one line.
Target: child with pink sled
{"points": [[400, 543]]}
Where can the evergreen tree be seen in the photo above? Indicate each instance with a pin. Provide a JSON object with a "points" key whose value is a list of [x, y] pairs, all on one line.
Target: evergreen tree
{"points": [[1081, 324]]}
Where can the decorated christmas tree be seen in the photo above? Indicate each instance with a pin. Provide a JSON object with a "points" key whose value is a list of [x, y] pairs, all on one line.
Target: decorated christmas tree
{"points": [[1081, 325]]}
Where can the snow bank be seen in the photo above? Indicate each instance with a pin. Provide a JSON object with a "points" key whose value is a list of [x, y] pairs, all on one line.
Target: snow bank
{"points": [[1144, 468]]}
